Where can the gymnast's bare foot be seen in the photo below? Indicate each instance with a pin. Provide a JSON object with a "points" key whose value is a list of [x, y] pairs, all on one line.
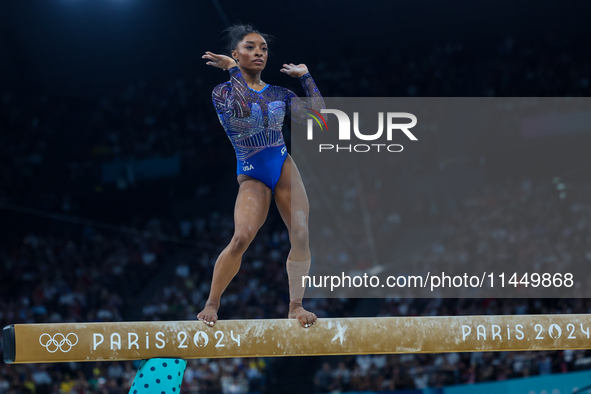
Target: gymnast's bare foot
{"points": [[297, 311], [209, 314]]}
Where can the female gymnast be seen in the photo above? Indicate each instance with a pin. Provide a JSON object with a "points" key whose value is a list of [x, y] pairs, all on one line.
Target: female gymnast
{"points": [[252, 114]]}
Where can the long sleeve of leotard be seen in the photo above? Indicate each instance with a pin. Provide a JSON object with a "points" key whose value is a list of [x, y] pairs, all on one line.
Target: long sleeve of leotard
{"points": [[233, 99], [297, 106]]}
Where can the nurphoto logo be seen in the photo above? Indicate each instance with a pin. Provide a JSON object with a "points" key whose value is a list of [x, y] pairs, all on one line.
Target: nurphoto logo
{"points": [[344, 132]]}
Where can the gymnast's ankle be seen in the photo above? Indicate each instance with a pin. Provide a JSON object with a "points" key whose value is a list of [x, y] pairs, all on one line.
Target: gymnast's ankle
{"points": [[295, 304], [212, 304]]}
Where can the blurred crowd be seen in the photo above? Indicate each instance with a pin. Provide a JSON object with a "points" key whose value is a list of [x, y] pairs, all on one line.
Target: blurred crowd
{"points": [[51, 156], [520, 225], [537, 225]]}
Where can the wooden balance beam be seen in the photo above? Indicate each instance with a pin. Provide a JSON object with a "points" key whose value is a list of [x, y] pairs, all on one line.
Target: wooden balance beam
{"points": [[36, 343]]}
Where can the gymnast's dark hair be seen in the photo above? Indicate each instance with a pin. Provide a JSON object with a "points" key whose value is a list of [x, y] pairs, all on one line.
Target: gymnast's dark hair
{"points": [[236, 33]]}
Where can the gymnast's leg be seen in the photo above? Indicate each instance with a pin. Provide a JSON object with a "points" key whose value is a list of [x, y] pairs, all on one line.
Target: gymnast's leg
{"points": [[250, 212], [292, 202]]}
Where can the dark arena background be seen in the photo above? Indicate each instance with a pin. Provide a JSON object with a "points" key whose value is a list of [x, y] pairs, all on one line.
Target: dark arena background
{"points": [[118, 183]]}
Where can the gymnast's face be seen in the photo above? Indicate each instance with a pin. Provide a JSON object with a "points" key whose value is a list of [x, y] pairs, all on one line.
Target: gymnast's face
{"points": [[251, 52]]}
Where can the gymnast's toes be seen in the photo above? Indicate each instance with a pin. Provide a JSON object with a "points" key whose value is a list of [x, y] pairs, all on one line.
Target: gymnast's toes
{"points": [[306, 319], [208, 316]]}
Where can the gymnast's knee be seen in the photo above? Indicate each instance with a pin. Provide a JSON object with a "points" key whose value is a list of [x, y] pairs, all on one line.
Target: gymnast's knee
{"points": [[300, 238], [240, 241]]}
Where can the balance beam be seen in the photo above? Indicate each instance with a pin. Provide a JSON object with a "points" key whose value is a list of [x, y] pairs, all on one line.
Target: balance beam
{"points": [[35, 343]]}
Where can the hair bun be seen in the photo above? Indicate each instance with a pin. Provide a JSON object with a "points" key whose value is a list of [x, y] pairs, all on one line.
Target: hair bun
{"points": [[235, 34]]}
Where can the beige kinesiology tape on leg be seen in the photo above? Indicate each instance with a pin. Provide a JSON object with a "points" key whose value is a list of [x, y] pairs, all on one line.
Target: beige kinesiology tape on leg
{"points": [[296, 270]]}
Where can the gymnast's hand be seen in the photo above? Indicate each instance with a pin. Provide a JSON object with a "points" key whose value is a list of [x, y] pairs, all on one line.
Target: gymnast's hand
{"points": [[220, 61], [294, 70]]}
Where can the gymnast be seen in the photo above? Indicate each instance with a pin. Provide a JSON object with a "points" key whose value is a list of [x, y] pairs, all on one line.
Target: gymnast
{"points": [[252, 113]]}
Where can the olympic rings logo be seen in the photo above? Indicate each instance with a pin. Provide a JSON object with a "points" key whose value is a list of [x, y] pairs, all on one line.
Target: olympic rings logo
{"points": [[52, 344]]}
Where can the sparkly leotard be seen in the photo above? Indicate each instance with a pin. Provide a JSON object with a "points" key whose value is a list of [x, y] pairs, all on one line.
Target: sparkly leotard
{"points": [[253, 121]]}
